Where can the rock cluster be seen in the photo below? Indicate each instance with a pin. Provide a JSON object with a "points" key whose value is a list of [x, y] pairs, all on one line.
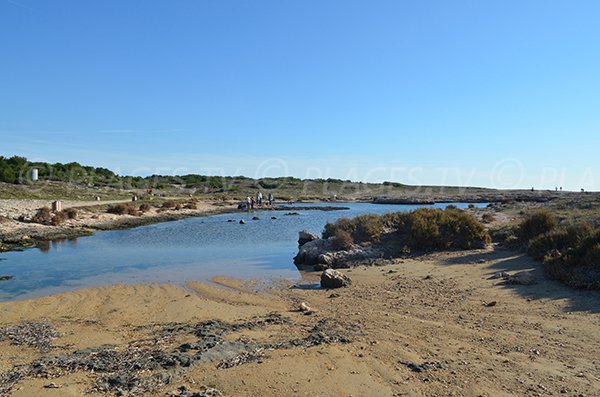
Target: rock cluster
{"points": [[320, 254], [334, 279]]}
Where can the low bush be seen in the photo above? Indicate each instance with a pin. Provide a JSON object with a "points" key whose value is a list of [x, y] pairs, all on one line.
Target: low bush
{"points": [[145, 207], [425, 229], [169, 204], [122, 209], [535, 223], [71, 213], [560, 239], [577, 265], [191, 205], [430, 229], [342, 240], [59, 218], [362, 229], [488, 217], [43, 215]]}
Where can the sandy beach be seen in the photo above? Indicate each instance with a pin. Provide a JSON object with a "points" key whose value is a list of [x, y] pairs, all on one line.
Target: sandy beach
{"points": [[431, 326]]}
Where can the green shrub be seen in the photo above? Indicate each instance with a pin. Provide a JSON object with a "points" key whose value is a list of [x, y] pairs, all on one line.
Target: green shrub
{"points": [[43, 215], [363, 228], [145, 207], [535, 223], [429, 229], [342, 240], [425, 229], [344, 224], [559, 239], [507, 235], [577, 265]]}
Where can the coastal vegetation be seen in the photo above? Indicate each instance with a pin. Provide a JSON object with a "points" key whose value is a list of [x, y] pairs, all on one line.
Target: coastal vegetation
{"points": [[421, 230], [567, 245], [80, 182]]}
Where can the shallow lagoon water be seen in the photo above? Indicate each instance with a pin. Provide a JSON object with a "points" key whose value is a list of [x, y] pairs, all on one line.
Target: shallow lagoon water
{"points": [[179, 251]]}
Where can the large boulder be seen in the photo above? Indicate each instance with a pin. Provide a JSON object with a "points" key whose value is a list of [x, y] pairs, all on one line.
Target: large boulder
{"points": [[306, 237], [308, 254], [334, 279]]}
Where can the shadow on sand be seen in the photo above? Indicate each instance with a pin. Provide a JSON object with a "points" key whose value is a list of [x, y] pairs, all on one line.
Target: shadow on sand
{"points": [[501, 260]]}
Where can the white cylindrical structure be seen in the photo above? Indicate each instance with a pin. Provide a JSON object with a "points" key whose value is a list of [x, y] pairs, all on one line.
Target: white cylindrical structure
{"points": [[33, 174]]}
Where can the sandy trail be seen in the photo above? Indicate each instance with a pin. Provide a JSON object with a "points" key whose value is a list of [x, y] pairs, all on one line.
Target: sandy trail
{"points": [[417, 327]]}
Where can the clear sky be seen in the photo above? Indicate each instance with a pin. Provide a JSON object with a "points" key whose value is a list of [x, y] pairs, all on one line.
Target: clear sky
{"points": [[489, 93]]}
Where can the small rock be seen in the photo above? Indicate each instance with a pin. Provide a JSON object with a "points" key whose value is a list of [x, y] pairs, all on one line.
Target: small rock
{"points": [[52, 386], [522, 278], [331, 278], [242, 222], [490, 304], [255, 218], [498, 275], [304, 308], [305, 236]]}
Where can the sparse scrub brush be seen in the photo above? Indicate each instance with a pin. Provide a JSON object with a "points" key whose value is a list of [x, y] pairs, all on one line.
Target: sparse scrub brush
{"points": [[43, 215]]}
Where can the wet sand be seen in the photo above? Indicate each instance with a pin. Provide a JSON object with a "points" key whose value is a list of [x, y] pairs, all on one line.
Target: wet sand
{"points": [[417, 327]]}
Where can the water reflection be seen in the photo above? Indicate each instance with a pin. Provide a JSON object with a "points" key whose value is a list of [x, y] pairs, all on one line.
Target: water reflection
{"points": [[44, 246]]}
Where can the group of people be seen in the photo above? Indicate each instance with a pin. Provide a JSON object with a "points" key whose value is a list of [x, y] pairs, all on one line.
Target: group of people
{"points": [[251, 202]]}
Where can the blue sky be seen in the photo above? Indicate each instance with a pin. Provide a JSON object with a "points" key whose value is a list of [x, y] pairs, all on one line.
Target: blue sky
{"points": [[499, 94]]}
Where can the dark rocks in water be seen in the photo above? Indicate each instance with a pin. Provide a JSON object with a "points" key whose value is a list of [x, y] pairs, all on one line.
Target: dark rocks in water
{"points": [[255, 218], [334, 279], [273, 217], [230, 220], [242, 222], [305, 236], [292, 213], [6, 278]]}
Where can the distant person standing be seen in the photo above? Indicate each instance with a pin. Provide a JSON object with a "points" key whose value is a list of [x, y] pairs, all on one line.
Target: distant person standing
{"points": [[248, 203], [259, 198], [252, 202], [270, 198]]}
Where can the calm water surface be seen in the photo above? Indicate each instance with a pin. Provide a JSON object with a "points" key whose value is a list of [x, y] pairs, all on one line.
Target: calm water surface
{"points": [[189, 249]]}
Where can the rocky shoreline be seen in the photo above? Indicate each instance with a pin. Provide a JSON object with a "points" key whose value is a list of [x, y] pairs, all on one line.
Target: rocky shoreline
{"points": [[18, 231]]}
